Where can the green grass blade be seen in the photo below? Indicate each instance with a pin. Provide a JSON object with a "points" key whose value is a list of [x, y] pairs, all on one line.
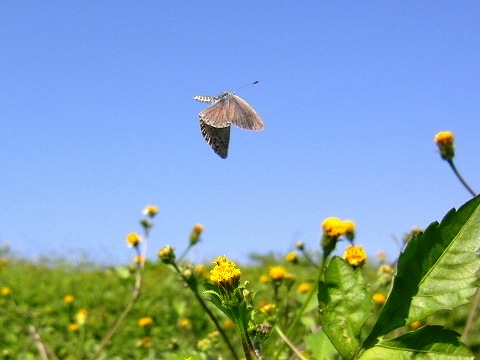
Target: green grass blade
{"points": [[437, 270], [345, 303], [427, 343]]}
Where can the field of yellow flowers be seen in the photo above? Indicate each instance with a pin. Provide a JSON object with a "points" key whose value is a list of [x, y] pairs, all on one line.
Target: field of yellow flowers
{"points": [[307, 304]]}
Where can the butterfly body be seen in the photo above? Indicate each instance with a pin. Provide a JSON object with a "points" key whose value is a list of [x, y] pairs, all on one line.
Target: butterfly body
{"points": [[227, 109]]}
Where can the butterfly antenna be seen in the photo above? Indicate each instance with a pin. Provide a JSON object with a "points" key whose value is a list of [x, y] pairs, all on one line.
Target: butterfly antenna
{"points": [[253, 83]]}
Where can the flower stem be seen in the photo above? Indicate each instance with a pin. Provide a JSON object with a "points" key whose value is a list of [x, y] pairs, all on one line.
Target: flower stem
{"points": [[299, 314], [464, 183], [192, 285]]}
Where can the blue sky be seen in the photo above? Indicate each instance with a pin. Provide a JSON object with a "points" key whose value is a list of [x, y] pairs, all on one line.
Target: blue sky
{"points": [[97, 120]]}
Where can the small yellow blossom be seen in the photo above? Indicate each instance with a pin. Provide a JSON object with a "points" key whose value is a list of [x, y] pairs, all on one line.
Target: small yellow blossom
{"points": [[225, 275], [200, 270], [5, 291], [167, 254], [268, 309], [145, 321], [139, 259], [415, 325], [150, 210], [445, 143], [379, 298], [204, 344], [277, 273], [81, 316], [195, 234], [73, 327], [355, 255], [385, 273], [3, 261], [333, 227], [144, 341], [229, 324], [263, 279], [184, 323], [133, 239], [304, 288], [292, 257], [68, 299]]}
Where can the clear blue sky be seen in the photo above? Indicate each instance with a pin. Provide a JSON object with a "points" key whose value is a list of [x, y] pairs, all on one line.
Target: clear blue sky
{"points": [[97, 120]]}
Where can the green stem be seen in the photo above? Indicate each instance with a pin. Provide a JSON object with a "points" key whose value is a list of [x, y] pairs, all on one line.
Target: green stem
{"points": [[246, 342], [187, 249], [300, 313], [464, 183], [193, 287]]}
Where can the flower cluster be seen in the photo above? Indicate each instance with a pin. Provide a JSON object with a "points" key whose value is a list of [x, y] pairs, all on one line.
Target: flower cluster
{"points": [[333, 228], [355, 255], [225, 275]]}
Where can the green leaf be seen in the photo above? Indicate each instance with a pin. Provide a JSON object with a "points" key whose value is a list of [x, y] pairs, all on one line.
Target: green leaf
{"points": [[430, 342], [320, 346], [437, 270], [345, 303]]}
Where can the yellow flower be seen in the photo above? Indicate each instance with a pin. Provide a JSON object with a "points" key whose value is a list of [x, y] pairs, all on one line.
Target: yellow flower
{"points": [[133, 239], [333, 227], [139, 259], [355, 255], [195, 234], [304, 288], [379, 298], [268, 309], [3, 261], [68, 299], [277, 273], [144, 341], [445, 143], [292, 257], [263, 279], [73, 327], [5, 291], [349, 229], [200, 270], [204, 344], [225, 274], [415, 325], [145, 321], [150, 210], [229, 324], [184, 323], [167, 254], [81, 316]]}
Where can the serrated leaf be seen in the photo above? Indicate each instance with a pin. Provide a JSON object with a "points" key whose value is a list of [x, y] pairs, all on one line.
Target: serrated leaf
{"points": [[427, 343], [345, 302], [437, 270]]}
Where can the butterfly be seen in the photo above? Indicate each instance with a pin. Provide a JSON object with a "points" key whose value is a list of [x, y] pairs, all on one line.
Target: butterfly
{"points": [[226, 109]]}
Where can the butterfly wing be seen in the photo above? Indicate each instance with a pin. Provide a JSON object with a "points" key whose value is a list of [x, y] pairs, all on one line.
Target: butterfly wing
{"points": [[217, 114], [229, 109], [217, 138], [243, 115]]}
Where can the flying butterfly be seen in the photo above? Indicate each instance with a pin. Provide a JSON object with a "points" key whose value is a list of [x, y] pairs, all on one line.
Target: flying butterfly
{"points": [[226, 109]]}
